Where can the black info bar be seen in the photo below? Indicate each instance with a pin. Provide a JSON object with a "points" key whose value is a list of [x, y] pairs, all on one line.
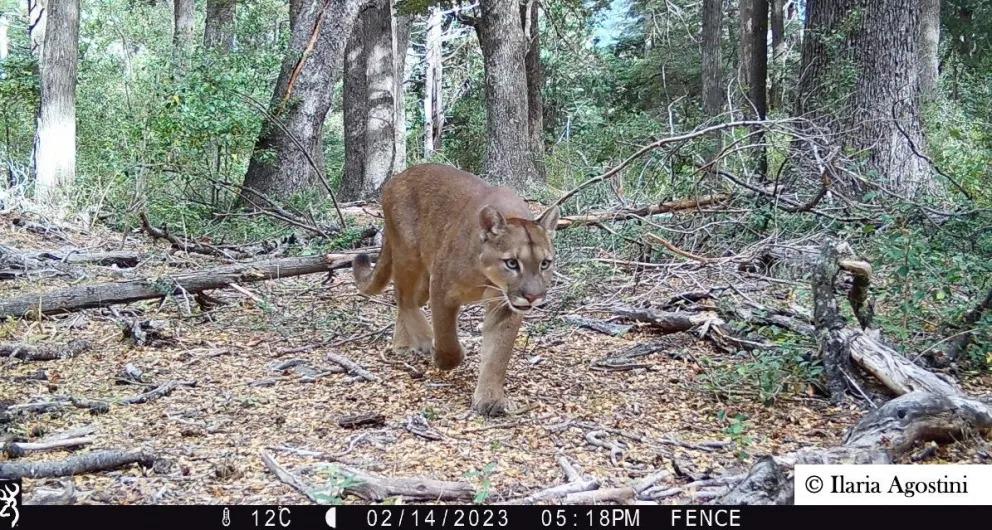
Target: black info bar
{"points": [[221, 517]]}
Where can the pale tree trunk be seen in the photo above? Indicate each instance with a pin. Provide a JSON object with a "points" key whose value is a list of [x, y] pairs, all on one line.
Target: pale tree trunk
{"points": [[370, 103], [380, 135], [55, 138], [4, 39], [712, 65], [777, 22], [434, 72], [501, 37], [535, 82], [218, 31], [302, 97], [401, 43], [929, 44], [183, 12], [885, 83], [37, 17]]}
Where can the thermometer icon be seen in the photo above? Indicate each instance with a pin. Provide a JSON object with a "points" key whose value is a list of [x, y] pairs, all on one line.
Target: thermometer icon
{"points": [[226, 518]]}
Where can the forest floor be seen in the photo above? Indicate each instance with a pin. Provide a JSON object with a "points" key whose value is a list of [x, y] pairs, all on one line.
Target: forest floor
{"points": [[658, 415]]}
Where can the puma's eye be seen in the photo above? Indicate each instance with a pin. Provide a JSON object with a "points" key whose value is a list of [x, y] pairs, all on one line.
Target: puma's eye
{"points": [[511, 264], [545, 264]]}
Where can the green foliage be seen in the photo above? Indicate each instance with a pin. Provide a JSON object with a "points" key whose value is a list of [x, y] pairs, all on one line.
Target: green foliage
{"points": [[736, 429], [334, 488], [485, 484]]}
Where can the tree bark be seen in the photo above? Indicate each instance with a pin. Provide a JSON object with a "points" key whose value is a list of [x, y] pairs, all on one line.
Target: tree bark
{"points": [[929, 44], [712, 66], [55, 137], [218, 32], [529, 14], [370, 103], [354, 102], [754, 68], [401, 43], [508, 159], [302, 97], [777, 23], [862, 57], [380, 136], [433, 103], [183, 12]]}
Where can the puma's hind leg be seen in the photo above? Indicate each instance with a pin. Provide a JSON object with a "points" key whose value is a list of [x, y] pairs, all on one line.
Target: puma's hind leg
{"points": [[413, 332]]}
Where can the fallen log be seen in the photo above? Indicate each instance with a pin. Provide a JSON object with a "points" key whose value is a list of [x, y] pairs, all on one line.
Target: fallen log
{"points": [[376, 488], [43, 352], [99, 295], [928, 407], [76, 465], [17, 449]]}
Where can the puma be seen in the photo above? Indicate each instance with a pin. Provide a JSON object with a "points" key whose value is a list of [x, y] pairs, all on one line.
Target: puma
{"points": [[450, 239]]}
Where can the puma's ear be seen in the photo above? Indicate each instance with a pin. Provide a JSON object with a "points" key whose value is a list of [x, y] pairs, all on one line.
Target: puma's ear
{"points": [[492, 221], [549, 220]]}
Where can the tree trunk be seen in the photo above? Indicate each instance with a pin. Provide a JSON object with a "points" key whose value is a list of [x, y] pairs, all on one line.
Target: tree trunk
{"points": [[870, 72], [302, 97], [380, 136], [218, 33], [754, 69], [37, 19], [4, 39], [433, 104], [370, 104], [355, 109], [712, 67], [754, 57], [535, 82], [777, 22], [401, 43], [508, 159], [55, 138], [929, 44], [183, 12]]}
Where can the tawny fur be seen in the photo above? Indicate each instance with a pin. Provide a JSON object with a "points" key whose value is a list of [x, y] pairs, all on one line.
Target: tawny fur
{"points": [[450, 239]]}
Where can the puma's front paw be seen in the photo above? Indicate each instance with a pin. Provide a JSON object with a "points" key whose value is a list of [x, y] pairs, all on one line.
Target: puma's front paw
{"points": [[490, 406]]}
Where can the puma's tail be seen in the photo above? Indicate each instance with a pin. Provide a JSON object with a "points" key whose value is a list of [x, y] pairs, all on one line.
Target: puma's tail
{"points": [[372, 281]]}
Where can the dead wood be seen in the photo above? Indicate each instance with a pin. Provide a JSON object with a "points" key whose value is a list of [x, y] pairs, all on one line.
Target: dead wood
{"points": [[43, 352], [571, 221], [229, 252], [929, 408], [160, 391], [76, 465], [602, 326], [620, 495], [351, 366], [576, 483], [355, 421], [28, 260], [705, 324], [16, 449], [104, 294], [919, 416], [58, 403], [376, 488], [287, 477]]}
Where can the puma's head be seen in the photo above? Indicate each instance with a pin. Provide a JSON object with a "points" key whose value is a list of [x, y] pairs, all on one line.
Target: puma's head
{"points": [[517, 256]]}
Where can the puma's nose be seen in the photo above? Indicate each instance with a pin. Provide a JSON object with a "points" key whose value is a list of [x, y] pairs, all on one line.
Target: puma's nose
{"points": [[534, 299]]}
